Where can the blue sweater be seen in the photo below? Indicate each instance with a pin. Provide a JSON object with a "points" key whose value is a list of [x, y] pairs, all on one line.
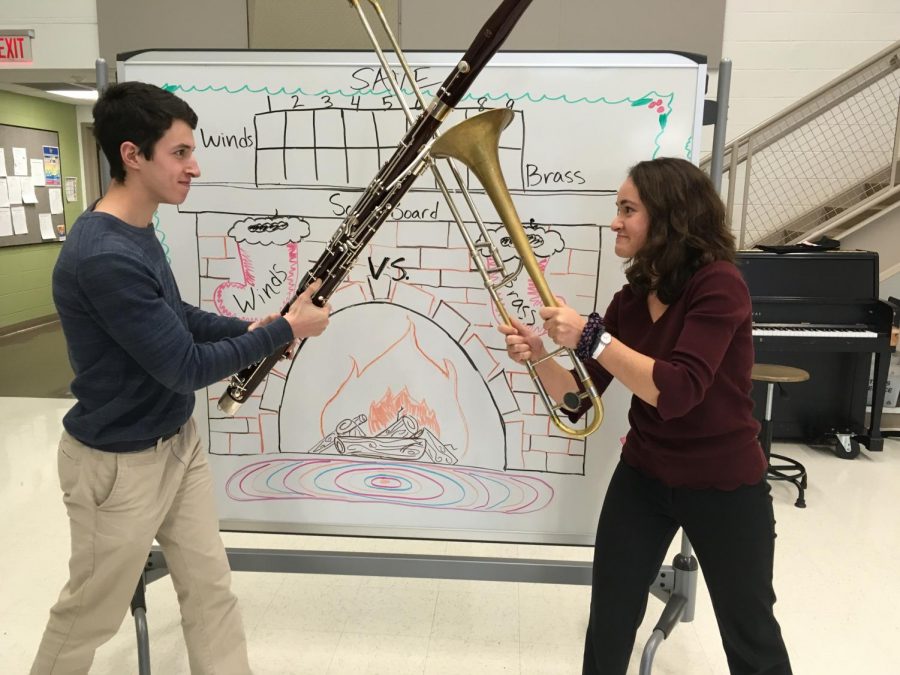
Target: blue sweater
{"points": [[138, 352]]}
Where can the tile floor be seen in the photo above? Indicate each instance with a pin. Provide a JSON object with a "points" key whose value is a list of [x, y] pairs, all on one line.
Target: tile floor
{"points": [[835, 575]]}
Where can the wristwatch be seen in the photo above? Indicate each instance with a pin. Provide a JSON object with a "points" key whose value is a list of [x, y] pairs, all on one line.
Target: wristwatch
{"points": [[602, 339]]}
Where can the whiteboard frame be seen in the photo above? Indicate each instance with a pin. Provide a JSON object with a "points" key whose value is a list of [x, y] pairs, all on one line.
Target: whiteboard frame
{"points": [[282, 58]]}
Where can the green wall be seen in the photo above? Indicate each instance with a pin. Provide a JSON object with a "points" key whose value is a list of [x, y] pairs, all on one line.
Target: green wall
{"points": [[25, 270]]}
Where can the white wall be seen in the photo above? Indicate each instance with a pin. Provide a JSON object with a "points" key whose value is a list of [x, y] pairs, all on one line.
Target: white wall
{"points": [[782, 50], [891, 287], [880, 235], [65, 31]]}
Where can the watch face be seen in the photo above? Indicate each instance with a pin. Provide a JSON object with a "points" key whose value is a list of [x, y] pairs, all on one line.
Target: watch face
{"points": [[602, 339]]}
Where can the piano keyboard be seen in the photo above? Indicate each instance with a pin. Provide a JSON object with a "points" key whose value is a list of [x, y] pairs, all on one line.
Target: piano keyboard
{"points": [[811, 330]]}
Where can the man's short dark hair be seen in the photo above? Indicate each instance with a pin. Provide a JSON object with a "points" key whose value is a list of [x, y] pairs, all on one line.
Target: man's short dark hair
{"points": [[136, 112]]}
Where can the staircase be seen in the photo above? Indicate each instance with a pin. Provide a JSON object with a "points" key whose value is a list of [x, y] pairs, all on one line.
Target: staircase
{"points": [[828, 165]]}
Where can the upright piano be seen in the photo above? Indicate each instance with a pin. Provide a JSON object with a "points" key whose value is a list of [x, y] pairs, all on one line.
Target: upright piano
{"points": [[820, 311]]}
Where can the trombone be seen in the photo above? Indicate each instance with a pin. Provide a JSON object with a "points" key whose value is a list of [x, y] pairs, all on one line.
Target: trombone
{"points": [[474, 142]]}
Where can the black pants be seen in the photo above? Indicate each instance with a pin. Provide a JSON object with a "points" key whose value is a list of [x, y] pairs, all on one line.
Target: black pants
{"points": [[733, 535]]}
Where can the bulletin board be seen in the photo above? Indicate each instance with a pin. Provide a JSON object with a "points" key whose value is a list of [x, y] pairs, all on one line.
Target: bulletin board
{"points": [[27, 153]]}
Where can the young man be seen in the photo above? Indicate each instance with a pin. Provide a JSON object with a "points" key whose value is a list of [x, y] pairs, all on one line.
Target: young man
{"points": [[131, 465]]}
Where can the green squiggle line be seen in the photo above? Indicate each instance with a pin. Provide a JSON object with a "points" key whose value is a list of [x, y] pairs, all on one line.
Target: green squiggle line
{"points": [[669, 98], [372, 92], [161, 236], [280, 90]]}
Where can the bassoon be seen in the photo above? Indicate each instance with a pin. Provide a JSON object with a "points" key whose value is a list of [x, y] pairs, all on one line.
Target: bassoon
{"points": [[384, 193]]}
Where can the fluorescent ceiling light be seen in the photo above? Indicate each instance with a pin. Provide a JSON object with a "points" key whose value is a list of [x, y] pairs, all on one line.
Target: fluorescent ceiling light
{"points": [[81, 94]]}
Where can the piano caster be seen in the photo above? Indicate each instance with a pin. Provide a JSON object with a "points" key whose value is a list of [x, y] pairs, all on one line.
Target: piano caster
{"points": [[846, 447]]}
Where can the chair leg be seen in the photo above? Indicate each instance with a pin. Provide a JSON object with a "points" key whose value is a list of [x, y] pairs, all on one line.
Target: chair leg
{"points": [[796, 471], [767, 430], [791, 471]]}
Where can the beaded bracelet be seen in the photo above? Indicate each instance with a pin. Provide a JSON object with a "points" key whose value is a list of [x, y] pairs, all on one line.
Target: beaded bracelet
{"points": [[593, 326]]}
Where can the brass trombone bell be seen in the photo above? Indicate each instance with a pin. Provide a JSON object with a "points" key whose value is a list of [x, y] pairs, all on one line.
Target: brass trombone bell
{"points": [[475, 142]]}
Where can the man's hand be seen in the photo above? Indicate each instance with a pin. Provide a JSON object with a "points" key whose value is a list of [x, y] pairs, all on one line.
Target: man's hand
{"points": [[265, 321], [306, 318]]}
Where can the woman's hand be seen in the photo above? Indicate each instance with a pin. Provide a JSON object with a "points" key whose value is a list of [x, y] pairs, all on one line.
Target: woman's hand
{"points": [[563, 324], [521, 343]]}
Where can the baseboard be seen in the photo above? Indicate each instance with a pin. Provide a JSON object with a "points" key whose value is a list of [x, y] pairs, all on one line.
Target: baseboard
{"points": [[28, 325]]}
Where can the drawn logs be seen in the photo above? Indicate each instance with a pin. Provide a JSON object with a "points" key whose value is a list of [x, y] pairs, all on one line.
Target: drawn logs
{"points": [[403, 439]]}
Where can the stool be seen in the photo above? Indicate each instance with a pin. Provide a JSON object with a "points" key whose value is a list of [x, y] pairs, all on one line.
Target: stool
{"points": [[790, 469]]}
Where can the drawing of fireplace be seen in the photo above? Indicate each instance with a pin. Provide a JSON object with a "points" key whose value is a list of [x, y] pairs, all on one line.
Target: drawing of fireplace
{"points": [[430, 331], [407, 392]]}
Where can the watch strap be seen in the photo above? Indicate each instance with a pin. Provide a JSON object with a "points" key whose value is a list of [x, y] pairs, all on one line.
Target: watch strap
{"points": [[592, 328]]}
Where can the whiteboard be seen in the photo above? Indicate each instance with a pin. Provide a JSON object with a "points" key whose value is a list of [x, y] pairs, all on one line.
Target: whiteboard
{"points": [[405, 418]]}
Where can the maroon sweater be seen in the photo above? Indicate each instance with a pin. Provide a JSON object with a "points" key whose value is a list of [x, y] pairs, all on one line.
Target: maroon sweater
{"points": [[702, 433]]}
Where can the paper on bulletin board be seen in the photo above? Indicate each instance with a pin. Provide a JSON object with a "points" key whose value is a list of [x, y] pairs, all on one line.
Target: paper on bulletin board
{"points": [[5, 222], [51, 165], [14, 190], [2, 162], [4, 194], [37, 173], [20, 225], [71, 188], [46, 221], [56, 203], [28, 194], [20, 161]]}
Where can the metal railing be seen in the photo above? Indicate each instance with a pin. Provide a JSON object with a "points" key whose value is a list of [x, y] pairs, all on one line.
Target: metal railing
{"points": [[825, 165]]}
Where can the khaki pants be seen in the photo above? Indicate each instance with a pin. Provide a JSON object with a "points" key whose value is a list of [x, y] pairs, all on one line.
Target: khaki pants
{"points": [[117, 503]]}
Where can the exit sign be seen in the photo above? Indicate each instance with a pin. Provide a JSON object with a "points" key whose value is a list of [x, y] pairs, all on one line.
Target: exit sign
{"points": [[15, 46]]}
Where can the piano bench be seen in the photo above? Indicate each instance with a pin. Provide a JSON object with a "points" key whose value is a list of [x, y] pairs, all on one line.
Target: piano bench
{"points": [[789, 469]]}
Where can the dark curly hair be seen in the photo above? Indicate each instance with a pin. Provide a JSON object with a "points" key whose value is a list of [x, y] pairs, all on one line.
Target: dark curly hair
{"points": [[688, 228], [136, 112]]}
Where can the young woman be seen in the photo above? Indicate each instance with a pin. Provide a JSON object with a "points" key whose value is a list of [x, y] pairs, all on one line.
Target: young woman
{"points": [[678, 335]]}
